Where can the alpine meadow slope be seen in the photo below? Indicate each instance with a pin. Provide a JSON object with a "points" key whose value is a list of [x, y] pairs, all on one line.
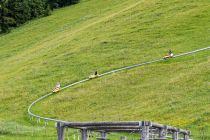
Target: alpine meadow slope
{"points": [[103, 35]]}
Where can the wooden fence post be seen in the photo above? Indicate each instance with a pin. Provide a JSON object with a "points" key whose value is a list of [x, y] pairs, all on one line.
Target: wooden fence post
{"points": [[163, 132], [60, 131], [84, 134], [103, 134], [145, 130], [187, 136], [175, 135]]}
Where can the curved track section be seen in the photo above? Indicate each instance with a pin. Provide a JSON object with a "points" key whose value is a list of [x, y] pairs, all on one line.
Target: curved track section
{"points": [[101, 75]]}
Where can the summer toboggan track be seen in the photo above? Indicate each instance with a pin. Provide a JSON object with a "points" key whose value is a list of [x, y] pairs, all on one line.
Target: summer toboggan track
{"points": [[101, 75]]}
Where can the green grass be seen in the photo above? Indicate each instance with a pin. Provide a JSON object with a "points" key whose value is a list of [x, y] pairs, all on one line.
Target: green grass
{"points": [[68, 45]]}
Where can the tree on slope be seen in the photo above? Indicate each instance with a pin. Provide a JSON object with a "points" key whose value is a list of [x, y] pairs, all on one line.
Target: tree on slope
{"points": [[20, 10], [16, 12], [61, 3], [39, 8], [5, 17]]}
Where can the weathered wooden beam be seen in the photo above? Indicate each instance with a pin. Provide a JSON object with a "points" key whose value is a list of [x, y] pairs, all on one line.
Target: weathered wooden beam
{"points": [[156, 125], [123, 130], [88, 124], [101, 139], [112, 127]]}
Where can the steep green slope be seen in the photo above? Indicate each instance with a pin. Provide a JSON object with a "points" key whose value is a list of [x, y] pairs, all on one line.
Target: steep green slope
{"points": [[105, 35]]}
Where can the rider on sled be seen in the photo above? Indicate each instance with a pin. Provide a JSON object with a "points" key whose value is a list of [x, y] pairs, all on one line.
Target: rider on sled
{"points": [[92, 76], [57, 88], [169, 55]]}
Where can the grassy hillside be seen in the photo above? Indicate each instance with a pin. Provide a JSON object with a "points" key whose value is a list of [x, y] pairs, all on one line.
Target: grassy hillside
{"points": [[73, 42]]}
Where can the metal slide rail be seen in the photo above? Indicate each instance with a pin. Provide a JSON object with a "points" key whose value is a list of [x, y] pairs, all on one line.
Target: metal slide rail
{"points": [[101, 75]]}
